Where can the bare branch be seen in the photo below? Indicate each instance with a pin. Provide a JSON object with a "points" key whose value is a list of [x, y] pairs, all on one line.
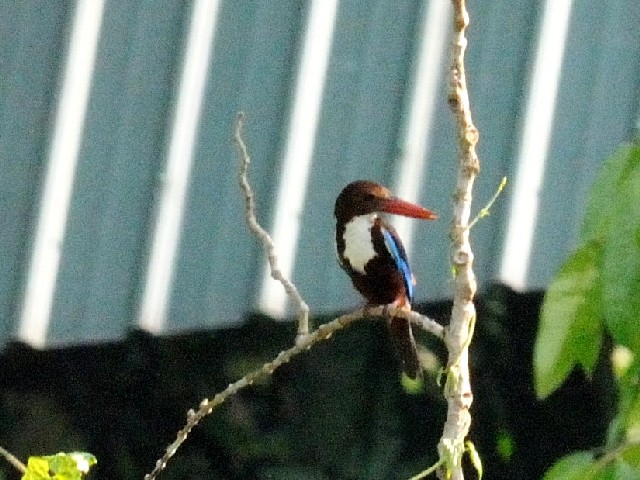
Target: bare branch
{"points": [[262, 234], [13, 460], [304, 341], [428, 471], [460, 330], [427, 324], [323, 332]]}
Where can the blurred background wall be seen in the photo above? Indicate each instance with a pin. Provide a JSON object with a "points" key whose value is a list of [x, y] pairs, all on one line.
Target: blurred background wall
{"points": [[119, 206], [120, 213]]}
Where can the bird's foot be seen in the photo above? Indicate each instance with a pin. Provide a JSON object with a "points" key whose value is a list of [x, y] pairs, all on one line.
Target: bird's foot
{"points": [[388, 310], [302, 339]]}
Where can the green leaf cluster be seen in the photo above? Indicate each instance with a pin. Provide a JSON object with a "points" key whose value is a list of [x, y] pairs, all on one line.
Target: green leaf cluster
{"points": [[62, 466], [597, 290], [620, 464]]}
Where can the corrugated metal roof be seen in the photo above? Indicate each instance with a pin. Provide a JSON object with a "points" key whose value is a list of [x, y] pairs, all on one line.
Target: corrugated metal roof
{"points": [[123, 211]]}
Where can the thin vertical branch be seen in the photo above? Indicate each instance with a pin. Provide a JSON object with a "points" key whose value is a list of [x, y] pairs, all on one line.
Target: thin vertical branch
{"points": [[460, 330], [262, 234]]}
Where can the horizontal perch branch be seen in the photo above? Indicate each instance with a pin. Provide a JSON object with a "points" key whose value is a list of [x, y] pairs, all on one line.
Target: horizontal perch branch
{"points": [[323, 332], [304, 341]]}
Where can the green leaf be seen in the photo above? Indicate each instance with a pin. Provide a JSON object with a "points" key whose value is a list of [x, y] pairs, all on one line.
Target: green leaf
{"points": [[606, 187], [474, 457], [622, 463], [37, 469], [617, 470], [621, 265], [631, 456], [410, 385], [505, 445], [629, 407], [570, 328], [62, 466], [577, 466], [84, 461]]}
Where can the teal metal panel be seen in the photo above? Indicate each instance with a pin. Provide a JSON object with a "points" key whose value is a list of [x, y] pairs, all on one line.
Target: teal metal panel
{"points": [[33, 35], [429, 254], [497, 88], [596, 110], [254, 62], [220, 264], [120, 164]]}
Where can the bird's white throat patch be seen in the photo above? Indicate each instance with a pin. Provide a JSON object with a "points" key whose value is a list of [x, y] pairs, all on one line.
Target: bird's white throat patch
{"points": [[358, 247]]}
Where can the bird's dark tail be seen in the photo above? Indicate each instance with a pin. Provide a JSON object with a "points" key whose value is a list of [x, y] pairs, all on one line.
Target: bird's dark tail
{"points": [[405, 346]]}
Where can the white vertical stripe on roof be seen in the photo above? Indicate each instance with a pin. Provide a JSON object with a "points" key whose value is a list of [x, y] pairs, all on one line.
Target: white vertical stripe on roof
{"points": [[166, 237], [304, 117], [58, 183], [418, 130], [534, 145]]}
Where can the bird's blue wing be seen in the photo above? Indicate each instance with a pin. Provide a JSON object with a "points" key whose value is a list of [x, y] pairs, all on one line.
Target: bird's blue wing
{"points": [[395, 248]]}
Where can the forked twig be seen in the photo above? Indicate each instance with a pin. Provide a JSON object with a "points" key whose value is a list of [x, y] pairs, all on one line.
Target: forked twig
{"points": [[304, 341], [262, 234]]}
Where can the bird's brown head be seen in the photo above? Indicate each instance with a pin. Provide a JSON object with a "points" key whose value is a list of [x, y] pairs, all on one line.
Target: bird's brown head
{"points": [[364, 197]]}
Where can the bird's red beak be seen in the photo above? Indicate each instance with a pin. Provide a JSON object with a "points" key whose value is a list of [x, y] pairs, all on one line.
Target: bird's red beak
{"points": [[407, 209]]}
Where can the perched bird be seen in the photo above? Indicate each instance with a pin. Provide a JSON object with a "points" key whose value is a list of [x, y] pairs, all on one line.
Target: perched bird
{"points": [[371, 252]]}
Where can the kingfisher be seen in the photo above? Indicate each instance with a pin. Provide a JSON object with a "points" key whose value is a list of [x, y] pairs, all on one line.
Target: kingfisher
{"points": [[370, 251]]}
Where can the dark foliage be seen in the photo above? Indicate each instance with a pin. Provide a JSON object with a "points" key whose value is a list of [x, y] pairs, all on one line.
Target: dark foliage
{"points": [[338, 412]]}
